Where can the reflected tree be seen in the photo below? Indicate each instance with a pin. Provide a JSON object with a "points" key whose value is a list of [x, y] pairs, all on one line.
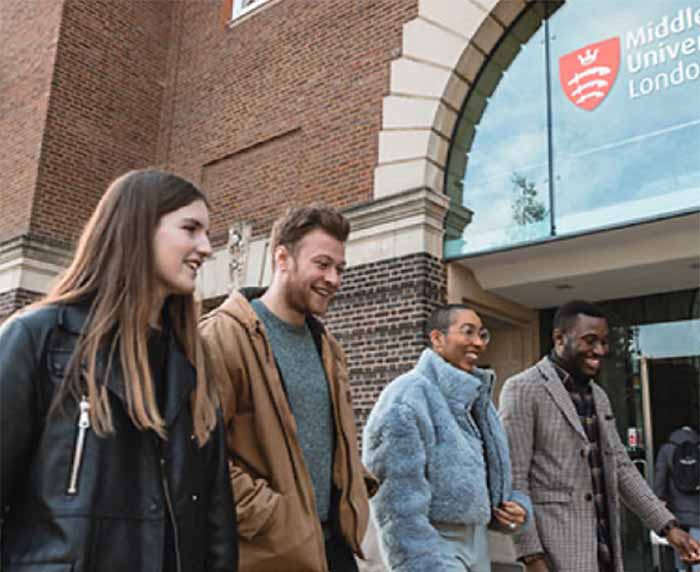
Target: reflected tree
{"points": [[528, 211], [526, 207]]}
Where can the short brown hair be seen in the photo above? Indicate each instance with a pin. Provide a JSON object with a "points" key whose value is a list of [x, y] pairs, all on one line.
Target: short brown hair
{"points": [[296, 223]]}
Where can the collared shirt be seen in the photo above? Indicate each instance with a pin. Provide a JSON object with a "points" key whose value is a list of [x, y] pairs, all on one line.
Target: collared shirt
{"points": [[581, 394]]}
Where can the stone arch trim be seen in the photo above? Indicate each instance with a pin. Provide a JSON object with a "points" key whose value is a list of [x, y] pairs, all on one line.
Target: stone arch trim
{"points": [[444, 49]]}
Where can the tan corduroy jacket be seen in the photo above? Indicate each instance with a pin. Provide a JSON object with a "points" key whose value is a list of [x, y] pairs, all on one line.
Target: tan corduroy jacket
{"points": [[277, 521]]}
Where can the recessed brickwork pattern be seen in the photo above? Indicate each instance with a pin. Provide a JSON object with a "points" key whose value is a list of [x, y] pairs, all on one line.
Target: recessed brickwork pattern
{"points": [[283, 107]]}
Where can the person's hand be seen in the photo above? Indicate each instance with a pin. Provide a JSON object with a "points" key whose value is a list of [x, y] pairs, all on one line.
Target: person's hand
{"points": [[539, 565], [510, 515], [687, 547]]}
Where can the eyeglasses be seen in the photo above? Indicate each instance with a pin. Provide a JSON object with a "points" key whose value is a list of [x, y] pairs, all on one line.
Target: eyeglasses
{"points": [[472, 333]]}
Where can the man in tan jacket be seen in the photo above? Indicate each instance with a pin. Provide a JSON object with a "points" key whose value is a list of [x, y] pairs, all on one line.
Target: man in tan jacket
{"points": [[299, 485]]}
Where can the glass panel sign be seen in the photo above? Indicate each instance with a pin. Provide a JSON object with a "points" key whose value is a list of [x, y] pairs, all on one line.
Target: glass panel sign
{"points": [[625, 110], [595, 123]]}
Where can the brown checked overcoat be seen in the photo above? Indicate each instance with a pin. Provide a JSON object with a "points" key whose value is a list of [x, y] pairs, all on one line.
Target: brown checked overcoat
{"points": [[549, 451]]}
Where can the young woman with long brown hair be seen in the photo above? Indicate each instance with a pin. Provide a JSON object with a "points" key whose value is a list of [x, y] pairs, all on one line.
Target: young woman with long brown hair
{"points": [[111, 454]]}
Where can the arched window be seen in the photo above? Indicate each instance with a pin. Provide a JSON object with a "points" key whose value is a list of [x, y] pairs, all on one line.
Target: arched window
{"points": [[584, 118]]}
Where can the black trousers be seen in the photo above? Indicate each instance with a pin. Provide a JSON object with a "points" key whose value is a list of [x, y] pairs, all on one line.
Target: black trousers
{"points": [[339, 556]]}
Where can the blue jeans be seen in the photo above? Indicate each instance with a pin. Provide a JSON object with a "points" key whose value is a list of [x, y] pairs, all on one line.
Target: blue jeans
{"points": [[465, 548]]}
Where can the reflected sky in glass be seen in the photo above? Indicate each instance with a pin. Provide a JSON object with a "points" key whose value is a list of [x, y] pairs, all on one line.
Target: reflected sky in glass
{"points": [[635, 155], [668, 339], [508, 143]]}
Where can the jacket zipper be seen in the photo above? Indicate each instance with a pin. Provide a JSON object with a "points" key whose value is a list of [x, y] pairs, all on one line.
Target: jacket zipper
{"points": [[78, 451], [171, 514]]}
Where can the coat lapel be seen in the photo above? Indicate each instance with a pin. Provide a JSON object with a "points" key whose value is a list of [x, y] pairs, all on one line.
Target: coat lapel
{"points": [[604, 415], [560, 396], [180, 374], [180, 377], [112, 374], [72, 318]]}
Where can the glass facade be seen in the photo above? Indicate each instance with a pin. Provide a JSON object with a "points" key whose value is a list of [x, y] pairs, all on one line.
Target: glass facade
{"points": [[585, 118]]}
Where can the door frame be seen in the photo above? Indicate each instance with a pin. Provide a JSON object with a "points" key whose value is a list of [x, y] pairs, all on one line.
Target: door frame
{"points": [[647, 420]]}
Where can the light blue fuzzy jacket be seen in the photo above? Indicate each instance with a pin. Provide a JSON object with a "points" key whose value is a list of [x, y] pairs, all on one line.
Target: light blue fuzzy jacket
{"points": [[436, 445]]}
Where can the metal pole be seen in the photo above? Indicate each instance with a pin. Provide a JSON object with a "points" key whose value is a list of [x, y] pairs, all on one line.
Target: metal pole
{"points": [[646, 414], [648, 441], [550, 153]]}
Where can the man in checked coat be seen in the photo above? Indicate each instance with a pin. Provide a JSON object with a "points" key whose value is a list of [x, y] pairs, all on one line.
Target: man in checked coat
{"points": [[567, 455]]}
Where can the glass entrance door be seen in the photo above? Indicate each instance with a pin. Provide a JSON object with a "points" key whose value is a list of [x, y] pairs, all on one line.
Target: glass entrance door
{"points": [[654, 382]]}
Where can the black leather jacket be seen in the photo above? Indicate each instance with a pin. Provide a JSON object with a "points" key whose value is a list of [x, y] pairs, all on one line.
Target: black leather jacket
{"points": [[103, 508]]}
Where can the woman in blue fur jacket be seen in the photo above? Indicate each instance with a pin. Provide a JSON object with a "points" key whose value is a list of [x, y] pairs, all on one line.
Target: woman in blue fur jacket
{"points": [[436, 445]]}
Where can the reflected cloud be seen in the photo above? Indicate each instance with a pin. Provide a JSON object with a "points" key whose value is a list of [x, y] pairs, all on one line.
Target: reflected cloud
{"points": [[630, 158]]}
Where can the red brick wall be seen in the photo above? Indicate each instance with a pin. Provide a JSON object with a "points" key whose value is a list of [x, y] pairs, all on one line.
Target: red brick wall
{"points": [[273, 165], [284, 106], [28, 33], [105, 107]]}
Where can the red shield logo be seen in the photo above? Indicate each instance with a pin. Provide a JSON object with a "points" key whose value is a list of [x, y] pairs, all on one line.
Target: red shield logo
{"points": [[587, 74]]}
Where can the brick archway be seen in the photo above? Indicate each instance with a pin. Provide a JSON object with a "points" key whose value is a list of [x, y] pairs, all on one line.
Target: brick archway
{"points": [[444, 49]]}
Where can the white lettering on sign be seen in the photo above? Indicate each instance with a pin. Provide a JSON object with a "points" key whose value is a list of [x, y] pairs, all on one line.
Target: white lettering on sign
{"points": [[639, 61], [685, 19], [661, 55], [679, 75]]}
